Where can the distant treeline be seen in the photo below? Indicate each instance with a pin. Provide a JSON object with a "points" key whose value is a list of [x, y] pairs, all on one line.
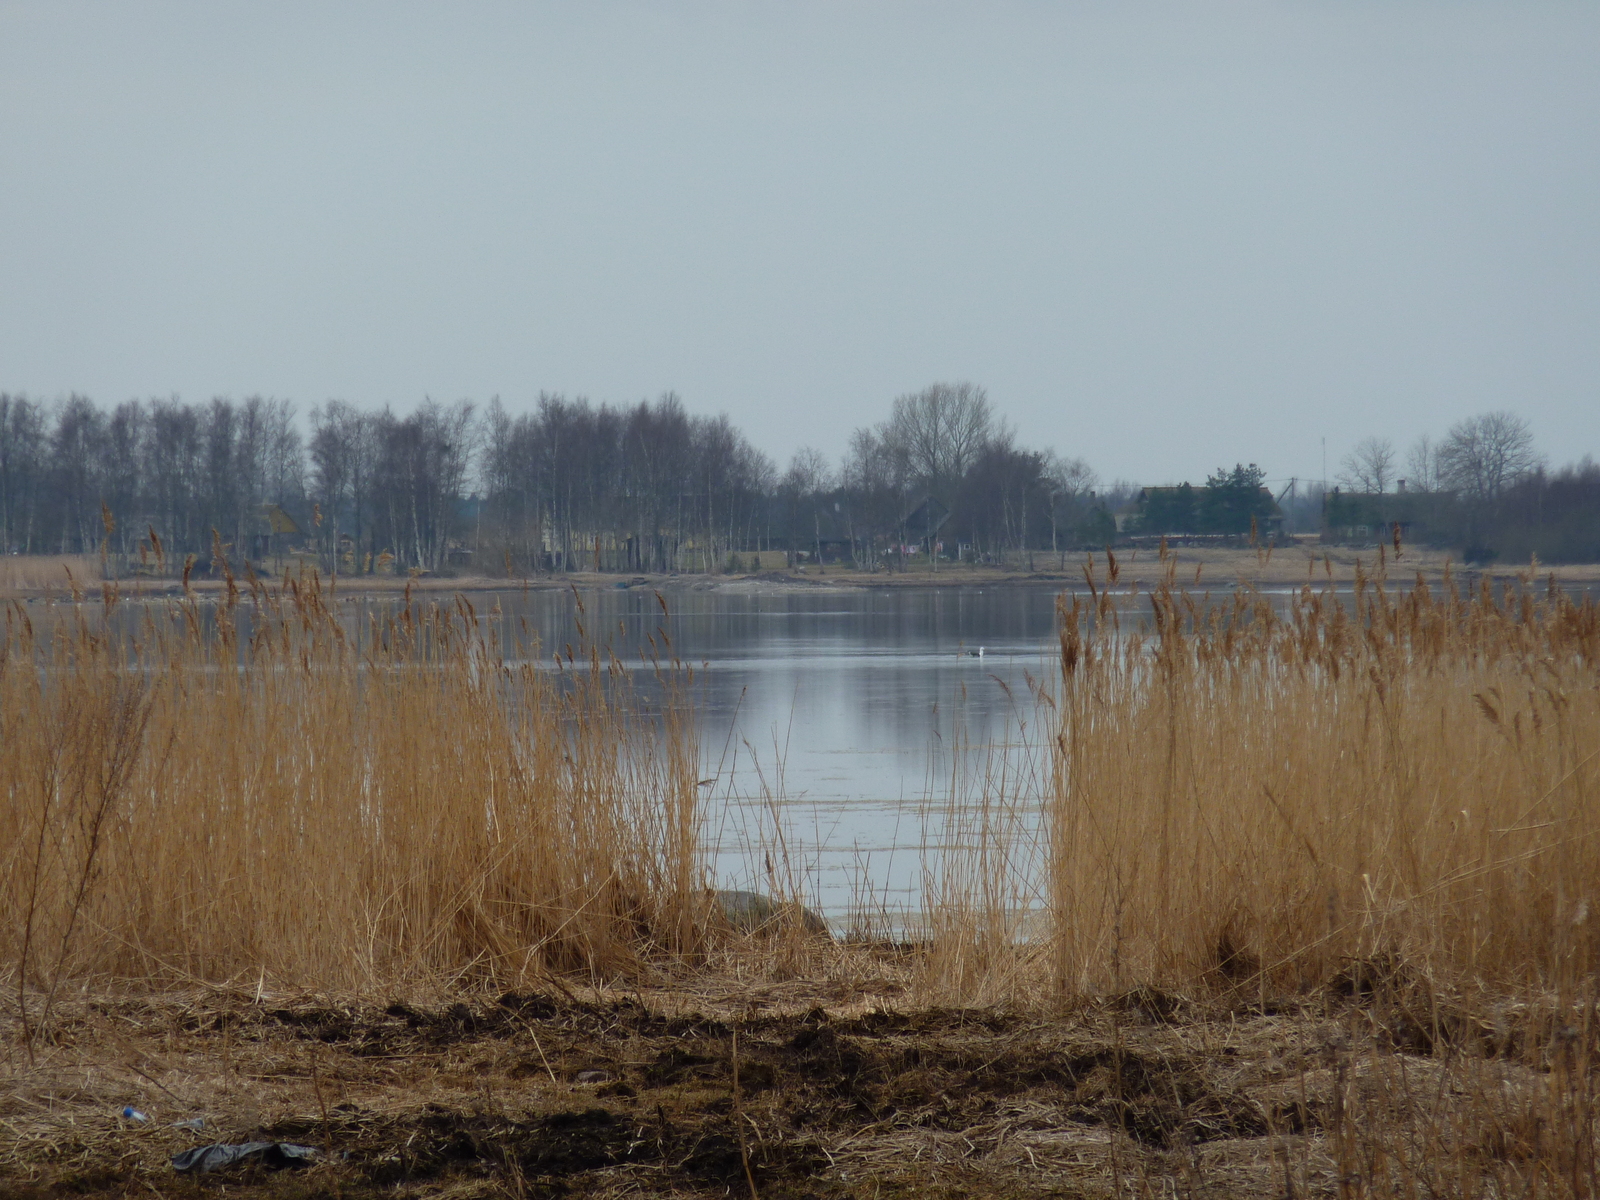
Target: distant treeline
{"points": [[573, 485], [75, 477], [1483, 489], [1552, 514], [569, 485]]}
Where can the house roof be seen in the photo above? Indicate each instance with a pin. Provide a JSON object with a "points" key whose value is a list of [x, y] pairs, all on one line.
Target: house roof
{"points": [[926, 518], [276, 520]]}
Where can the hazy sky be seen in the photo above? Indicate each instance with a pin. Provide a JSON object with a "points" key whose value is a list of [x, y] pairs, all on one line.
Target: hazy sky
{"points": [[1165, 237]]}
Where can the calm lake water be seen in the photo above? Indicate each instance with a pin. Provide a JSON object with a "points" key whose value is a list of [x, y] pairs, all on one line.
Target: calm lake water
{"points": [[847, 730]]}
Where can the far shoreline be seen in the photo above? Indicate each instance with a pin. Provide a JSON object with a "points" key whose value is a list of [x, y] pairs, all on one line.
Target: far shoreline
{"points": [[1207, 569]]}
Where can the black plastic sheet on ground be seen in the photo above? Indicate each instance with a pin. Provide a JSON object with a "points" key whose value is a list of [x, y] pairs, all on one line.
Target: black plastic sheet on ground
{"points": [[273, 1155]]}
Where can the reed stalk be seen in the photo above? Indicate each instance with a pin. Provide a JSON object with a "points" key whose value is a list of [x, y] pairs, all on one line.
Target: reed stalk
{"points": [[1257, 795], [267, 789]]}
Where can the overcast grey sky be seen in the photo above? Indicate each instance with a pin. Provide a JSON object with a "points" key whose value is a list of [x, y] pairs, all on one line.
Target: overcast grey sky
{"points": [[1165, 237]]}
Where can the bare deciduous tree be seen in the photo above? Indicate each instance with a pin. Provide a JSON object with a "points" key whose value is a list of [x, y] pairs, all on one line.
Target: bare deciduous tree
{"points": [[808, 472], [1484, 455], [123, 482], [77, 452], [940, 432], [172, 474], [285, 477], [421, 464], [807, 477], [874, 483], [1370, 466], [22, 470], [1071, 483], [332, 451], [1422, 463]]}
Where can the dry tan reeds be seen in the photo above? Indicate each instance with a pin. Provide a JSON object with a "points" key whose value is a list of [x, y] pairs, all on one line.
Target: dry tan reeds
{"points": [[1258, 796], [264, 790], [53, 573], [1240, 794], [1320, 889]]}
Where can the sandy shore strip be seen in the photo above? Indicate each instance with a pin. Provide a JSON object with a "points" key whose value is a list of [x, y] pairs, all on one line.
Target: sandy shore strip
{"points": [[1203, 568]]}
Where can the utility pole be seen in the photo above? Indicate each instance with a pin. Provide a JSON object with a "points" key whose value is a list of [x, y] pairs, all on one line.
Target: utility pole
{"points": [[1289, 514]]}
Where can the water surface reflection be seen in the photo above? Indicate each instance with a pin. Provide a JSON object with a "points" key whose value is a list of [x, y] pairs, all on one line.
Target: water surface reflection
{"points": [[845, 721]]}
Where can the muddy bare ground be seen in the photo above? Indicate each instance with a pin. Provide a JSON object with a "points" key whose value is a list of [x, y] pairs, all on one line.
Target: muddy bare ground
{"points": [[792, 1090]]}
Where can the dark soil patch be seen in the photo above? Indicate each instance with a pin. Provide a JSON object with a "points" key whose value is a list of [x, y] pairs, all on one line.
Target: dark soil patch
{"points": [[529, 1095]]}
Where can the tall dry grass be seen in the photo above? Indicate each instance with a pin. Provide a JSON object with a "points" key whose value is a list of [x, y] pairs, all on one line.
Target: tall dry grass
{"points": [[260, 790], [1375, 813], [22, 574], [984, 918], [1262, 796]]}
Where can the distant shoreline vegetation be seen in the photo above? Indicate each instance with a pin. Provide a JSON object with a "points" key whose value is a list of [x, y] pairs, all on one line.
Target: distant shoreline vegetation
{"points": [[570, 485]]}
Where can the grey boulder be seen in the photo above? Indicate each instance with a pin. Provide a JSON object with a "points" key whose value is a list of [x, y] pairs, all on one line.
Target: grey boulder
{"points": [[751, 912]]}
